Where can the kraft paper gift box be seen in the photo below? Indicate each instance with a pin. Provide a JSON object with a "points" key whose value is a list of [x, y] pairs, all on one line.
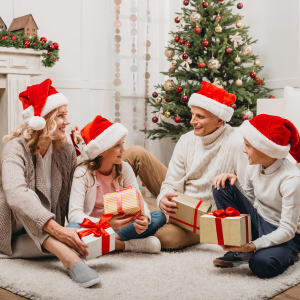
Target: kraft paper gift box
{"points": [[127, 201], [98, 245], [189, 211], [229, 231]]}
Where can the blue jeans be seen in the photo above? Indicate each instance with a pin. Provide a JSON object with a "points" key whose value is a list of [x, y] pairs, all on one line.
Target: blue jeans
{"points": [[158, 219], [267, 262]]}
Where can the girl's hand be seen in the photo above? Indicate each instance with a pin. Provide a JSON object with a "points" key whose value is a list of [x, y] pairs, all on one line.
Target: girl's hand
{"points": [[222, 179], [117, 222], [250, 247], [141, 224]]}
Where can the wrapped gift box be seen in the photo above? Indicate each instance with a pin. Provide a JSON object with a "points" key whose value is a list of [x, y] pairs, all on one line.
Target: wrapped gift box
{"points": [[189, 211], [99, 245], [127, 201], [229, 231]]}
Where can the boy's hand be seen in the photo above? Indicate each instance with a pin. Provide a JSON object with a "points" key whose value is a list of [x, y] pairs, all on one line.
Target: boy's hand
{"points": [[221, 179], [250, 247], [141, 224], [117, 222], [166, 204]]}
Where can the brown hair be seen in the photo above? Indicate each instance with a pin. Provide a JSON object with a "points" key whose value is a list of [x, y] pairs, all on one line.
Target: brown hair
{"points": [[94, 164], [36, 138]]}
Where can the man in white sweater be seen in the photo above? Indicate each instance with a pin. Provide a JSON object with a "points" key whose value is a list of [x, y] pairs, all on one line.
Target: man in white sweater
{"points": [[199, 156], [275, 183]]}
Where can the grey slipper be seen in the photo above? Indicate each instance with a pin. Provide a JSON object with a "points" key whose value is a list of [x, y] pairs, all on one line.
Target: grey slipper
{"points": [[83, 275]]}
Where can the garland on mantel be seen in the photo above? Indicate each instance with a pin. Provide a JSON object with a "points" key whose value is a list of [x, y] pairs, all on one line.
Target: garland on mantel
{"points": [[18, 40]]}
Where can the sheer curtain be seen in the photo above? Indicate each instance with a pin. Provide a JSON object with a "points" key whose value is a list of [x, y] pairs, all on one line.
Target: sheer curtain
{"points": [[140, 32]]}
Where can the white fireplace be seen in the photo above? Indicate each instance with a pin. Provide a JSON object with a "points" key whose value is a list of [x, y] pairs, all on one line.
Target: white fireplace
{"points": [[16, 68]]}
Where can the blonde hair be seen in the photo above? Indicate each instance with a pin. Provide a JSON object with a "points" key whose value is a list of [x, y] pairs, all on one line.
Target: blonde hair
{"points": [[36, 138]]}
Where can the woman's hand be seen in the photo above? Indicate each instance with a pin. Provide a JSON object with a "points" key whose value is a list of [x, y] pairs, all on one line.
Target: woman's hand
{"points": [[67, 236], [117, 222], [141, 224], [250, 247], [222, 179]]}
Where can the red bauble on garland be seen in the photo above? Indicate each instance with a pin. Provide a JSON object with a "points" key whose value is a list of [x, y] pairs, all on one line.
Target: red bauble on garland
{"points": [[188, 44], [253, 74], [26, 44], [186, 2], [176, 20], [43, 39], [244, 118], [221, 0], [205, 4], [228, 50], [185, 56], [2, 37], [218, 18], [50, 47], [55, 45], [201, 65], [34, 43], [240, 5], [171, 69], [181, 42], [179, 89], [233, 106], [205, 43], [176, 39], [271, 97], [13, 38], [167, 100], [184, 98], [258, 81], [177, 119], [154, 119], [197, 30]]}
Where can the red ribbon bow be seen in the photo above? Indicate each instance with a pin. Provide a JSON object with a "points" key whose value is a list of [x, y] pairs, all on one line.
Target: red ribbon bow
{"points": [[229, 212], [98, 229]]}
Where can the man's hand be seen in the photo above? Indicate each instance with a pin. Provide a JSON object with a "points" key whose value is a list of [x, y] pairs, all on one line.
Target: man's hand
{"points": [[141, 224], [166, 204], [67, 236], [250, 247], [117, 222], [221, 179]]}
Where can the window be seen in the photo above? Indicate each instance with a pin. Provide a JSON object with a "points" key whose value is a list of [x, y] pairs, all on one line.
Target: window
{"points": [[28, 29], [27, 34], [33, 29]]}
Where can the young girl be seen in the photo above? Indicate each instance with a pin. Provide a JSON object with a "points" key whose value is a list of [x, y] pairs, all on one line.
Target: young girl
{"points": [[275, 182], [105, 172]]}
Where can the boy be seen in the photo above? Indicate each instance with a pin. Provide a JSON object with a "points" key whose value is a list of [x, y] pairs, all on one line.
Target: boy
{"points": [[275, 182]]}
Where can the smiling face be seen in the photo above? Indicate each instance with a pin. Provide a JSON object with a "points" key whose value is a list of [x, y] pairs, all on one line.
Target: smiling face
{"points": [[204, 122], [114, 154], [61, 122]]}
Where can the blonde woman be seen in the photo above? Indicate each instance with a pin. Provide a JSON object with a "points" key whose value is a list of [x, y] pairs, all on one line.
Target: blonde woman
{"points": [[36, 171]]}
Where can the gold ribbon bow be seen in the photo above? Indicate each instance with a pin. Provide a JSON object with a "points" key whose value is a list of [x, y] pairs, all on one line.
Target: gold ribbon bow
{"points": [[181, 19], [236, 39], [160, 115]]}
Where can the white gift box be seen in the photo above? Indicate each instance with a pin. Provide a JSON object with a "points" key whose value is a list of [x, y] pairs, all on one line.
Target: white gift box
{"points": [[95, 243]]}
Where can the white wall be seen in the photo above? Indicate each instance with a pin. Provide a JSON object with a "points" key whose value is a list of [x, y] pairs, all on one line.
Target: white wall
{"points": [[85, 72]]}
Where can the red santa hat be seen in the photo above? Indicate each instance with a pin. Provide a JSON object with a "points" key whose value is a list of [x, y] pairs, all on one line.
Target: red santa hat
{"points": [[215, 100], [38, 100], [100, 135], [272, 135]]}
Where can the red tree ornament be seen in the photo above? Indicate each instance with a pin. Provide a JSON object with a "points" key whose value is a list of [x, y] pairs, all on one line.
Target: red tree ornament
{"points": [[185, 56], [171, 69], [181, 42], [179, 89], [205, 4], [167, 100], [205, 43], [252, 74], [50, 47], [176, 39], [240, 5], [154, 94], [188, 44], [55, 45], [201, 65], [177, 119], [43, 39], [228, 50], [258, 81], [233, 106], [218, 18], [197, 30], [26, 44], [176, 20], [13, 38], [244, 118], [184, 98], [2, 37], [154, 119], [186, 2], [221, 0], [34, 43], [271, 97]]}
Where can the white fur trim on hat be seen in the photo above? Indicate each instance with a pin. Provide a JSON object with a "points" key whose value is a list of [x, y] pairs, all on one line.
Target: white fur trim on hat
{"points": [[105, 140], [27, 114], [261, 142], [54, 101], [37, 123], [220, 110]]}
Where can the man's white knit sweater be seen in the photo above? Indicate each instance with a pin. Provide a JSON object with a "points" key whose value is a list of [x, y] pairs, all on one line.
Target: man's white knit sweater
{"points": [[196, 161]]}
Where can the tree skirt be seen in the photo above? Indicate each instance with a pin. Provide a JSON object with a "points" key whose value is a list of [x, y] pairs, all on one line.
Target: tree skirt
{"points": [[185, 274]]}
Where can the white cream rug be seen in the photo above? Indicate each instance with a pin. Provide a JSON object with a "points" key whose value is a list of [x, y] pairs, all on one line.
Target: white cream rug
{"points": [[185, 274]]}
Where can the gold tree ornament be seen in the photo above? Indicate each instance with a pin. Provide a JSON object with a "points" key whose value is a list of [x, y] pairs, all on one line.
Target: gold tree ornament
{"points": [[174, 63], [158, 99], [257, 63], [169, 85], [239, 24], [213, 64], [218, 29], [238, 82], [167, 114], [247, 50], [195, 17], [169, 53], [248, 113], [237, 59]]}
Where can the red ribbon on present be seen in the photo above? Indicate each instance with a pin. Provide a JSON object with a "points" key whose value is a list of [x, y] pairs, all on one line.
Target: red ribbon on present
{"points": [[98, 229], [228, 212], [119, 203], [195, 218]]}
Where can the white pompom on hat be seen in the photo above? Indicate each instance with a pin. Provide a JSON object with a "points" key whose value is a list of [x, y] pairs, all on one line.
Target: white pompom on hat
{"points": [[38, 100]]}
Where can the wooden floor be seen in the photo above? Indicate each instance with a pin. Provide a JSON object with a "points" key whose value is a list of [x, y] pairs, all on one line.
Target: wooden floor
{"points": [[291, 294]]}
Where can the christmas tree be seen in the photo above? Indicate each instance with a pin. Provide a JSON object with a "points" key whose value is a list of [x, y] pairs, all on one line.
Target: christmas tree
{"points": [[212, 45]]}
